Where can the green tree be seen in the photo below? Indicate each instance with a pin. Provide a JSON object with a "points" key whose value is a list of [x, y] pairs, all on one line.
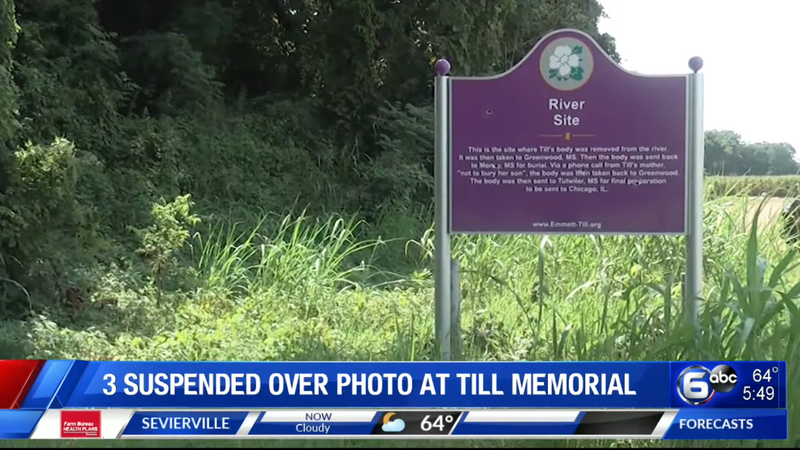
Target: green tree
{"points": [[727, 154], [8, 129], [772, 158], [354, 56], [8, 91], [722, 152], [68, 73]]}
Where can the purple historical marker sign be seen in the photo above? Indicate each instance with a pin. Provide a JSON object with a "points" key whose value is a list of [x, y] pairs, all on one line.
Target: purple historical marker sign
{"points": [[568, 142]]}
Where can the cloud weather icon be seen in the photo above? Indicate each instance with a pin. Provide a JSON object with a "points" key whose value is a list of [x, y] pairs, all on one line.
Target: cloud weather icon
{"points": [[392, 426]]}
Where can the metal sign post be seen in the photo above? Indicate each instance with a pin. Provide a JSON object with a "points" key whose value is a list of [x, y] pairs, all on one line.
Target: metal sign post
{"points": [[442, 197], [694, 208]]}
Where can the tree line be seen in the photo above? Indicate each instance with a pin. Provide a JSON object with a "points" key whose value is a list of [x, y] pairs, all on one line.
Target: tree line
{"points": [[727, 154]]}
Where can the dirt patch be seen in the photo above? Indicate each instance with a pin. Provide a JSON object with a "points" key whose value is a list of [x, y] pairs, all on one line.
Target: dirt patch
{"points": [[770, 213]]}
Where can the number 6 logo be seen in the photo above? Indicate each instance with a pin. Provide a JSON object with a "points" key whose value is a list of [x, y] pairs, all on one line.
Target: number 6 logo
{"points": [[698, 385], [693, 385]]}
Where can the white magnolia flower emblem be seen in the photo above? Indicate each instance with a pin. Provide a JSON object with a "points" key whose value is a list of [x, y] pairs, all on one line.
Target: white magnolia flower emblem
{"points": [[565, 63]]}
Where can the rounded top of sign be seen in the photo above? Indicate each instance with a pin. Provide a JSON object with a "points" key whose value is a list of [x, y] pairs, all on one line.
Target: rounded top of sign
{"points": [[696, 63], [442, 67], [566, 60]]}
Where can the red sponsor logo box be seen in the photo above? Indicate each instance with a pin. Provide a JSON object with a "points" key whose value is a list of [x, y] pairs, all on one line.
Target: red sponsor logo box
{"points": [[80, 424]]}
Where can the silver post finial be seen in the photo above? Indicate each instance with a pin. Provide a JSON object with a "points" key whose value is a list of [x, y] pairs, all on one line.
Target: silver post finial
{"points": [[696, 63]]}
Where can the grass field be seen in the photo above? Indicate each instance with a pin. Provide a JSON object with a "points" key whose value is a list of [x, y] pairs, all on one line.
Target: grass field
{"points": [[295, 294]]}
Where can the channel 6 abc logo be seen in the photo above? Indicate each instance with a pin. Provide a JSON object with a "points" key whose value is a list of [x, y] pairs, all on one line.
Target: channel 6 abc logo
{"points": [[698, 385]]}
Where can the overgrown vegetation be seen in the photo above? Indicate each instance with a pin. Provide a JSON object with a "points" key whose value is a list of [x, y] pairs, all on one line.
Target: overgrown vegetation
{"points": [[251, 180]]}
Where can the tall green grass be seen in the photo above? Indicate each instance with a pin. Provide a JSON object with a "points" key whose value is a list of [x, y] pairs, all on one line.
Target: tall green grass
{"points": [[306, 289]]}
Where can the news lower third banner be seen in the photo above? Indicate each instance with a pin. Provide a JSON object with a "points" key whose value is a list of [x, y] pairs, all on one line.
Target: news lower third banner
{"points": [[680, 400], [707, 424]]}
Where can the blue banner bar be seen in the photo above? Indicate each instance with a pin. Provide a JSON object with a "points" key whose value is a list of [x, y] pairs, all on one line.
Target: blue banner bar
{"points": [[311, 430], [47, 383], [729, 424], [202, 423], [411, 385], [15, 424], [686, 424], [670, 424]]}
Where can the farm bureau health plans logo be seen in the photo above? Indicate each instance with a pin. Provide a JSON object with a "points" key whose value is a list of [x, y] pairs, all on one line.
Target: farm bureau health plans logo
{"points": [[80, 424], [698, 385]]}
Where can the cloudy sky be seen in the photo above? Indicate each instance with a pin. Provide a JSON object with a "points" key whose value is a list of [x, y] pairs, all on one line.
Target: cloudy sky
{"points": [[750, 49]]}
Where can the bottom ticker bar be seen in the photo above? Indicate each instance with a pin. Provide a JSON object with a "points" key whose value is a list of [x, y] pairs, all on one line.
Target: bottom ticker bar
{"points": [[694, 424]]}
